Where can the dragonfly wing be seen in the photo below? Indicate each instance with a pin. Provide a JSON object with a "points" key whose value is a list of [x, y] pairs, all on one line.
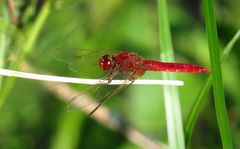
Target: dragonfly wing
{"points": [[107, 97], [85, 98], [128, 81], [70, 54], [83, 62], [81, 100]]}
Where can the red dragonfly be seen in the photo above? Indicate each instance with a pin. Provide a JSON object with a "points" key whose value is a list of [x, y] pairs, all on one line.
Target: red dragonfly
{"points": [[129, 65]]}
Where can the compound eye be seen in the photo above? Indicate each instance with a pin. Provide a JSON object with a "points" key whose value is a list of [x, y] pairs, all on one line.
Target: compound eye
{"points": [[105, 63]]}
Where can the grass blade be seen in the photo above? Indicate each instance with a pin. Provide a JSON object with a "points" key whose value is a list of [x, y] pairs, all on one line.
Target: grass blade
{"points": [[68, 131], [3, 38], [218, 89], [171, 97], [194, 112], [27, 46]]}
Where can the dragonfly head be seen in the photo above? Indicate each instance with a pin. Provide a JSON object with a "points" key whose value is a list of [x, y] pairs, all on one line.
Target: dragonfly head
{"points": [[105, 63]]}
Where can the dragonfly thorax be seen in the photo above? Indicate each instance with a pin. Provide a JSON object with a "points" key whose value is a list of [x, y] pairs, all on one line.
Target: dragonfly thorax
{"points": [[105, 63]]}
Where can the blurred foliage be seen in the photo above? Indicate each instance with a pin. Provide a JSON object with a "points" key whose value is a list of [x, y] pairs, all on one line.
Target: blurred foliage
{"points": [[32, 117]]}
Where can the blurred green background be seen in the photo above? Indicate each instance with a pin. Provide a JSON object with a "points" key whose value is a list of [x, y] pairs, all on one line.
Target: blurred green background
{"points": [[33, 117]]}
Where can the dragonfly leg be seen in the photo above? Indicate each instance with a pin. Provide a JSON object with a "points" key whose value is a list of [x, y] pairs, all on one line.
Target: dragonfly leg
{"points": [[111, 75], [108, 77], [132, 79]]}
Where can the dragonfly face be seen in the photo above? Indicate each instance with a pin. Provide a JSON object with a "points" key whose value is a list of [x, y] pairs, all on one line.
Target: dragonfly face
{"points": [[105, 63]]}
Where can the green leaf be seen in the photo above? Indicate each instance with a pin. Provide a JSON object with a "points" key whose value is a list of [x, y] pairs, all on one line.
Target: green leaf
{"points": [[171, 96], [195, 110], [27, 46], [218, 89]]}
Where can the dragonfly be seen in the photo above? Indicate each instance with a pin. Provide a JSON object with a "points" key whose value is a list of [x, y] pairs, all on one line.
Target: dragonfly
{"points": [[126, 64]]}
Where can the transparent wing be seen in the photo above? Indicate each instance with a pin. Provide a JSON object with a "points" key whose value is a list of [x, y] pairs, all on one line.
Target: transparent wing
{"points": [[83, 61], [103, 93], [123, 86], [84, 99], [98, 92]]}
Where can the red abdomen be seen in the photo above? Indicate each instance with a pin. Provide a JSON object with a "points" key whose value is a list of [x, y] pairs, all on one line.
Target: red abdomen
{"points": [[173, 67]]}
